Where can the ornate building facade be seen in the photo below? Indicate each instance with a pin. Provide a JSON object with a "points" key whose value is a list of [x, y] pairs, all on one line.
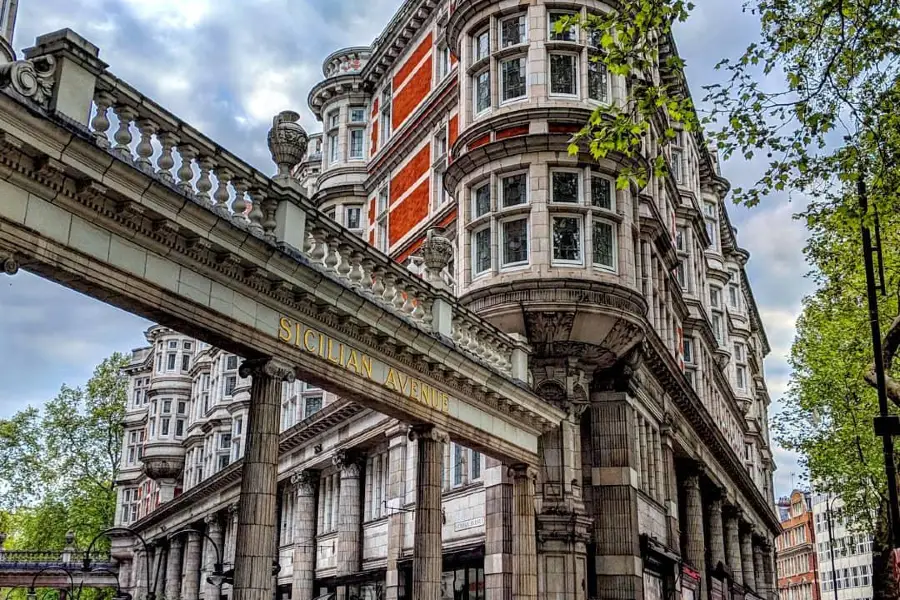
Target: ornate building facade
{"points": [[798, 560], [658, 483]]}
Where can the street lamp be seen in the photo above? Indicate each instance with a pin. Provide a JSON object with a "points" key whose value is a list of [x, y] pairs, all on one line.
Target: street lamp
{"points": [[120, 595], [217, 577], [151, 593], [32, 595], [828, 508]]}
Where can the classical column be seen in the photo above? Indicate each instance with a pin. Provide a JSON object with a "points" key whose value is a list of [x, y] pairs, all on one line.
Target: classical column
{"points": [[760, 569], [125, 567], [304, 559], [670, 479], [259, 486], [524, 546], [213, 554], [173, 568], [231, 545], [427, 552], [747, 559], [140, 575], [768, 570], [716, 532], [396, 492], [733, 544], [695, 543], [349, 525], [498, 531], [190, 585]]}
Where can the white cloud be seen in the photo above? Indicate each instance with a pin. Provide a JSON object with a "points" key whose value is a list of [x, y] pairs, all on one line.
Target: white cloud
{"points": [[174, 14]]}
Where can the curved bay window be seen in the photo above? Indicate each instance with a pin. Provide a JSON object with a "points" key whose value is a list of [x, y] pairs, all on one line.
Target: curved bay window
{"points": [[583, 222], [499, 223]]}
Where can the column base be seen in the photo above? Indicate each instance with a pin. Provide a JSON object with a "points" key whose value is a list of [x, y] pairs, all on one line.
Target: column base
{"points": [[562, 546]]}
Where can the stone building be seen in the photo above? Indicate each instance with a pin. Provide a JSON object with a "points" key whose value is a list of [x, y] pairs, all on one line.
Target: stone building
{"points": [[636, 303], [844, 551], [797, 563]]}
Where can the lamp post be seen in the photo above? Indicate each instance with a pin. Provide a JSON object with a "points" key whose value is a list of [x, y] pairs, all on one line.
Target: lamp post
{"points": [[32, 595], [86, 566], [828, 509], [120, 595]]}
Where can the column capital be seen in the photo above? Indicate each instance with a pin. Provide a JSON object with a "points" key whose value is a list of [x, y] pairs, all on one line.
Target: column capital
{"points": [[306, 481], [428, 432], [212, 520], [176, 541], [350, 462], [234, 508], [268, 367], [523, 471]]}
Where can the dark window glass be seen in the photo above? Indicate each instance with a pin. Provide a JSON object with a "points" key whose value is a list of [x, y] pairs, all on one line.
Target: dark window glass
{"points": [[513, 188], [313, 405], [482, 256], [515, 241], [567, 238], [601, 193], [512, 31], [567, 35], [603, 244], [512, 74], [482, 91], [482, 200], [598, 81], [565, 187]]}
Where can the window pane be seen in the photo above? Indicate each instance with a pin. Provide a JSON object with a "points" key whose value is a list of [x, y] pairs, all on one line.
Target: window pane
{"points": [[357, 115], [567, 35], [482, 45], [482, 200], [563, 74], [313, 405], [353, 214], [598, 82], [601, 193], [512, 31], [512, 76], [565, 187], [603, 244], [356, 143], [483, 92], [482, 250], [515, 241], [513, 190], [567, 238]]}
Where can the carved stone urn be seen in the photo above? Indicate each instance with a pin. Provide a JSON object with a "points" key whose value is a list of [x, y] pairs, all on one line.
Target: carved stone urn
{"points": [[437, 252], [287, 141]]}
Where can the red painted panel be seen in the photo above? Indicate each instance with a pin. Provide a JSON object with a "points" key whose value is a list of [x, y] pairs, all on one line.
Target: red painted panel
{"points": [[415, 58], [563, 128], [373, 145], [409, 213], [454, 129], [511, 132], [448, 219], [412, 95], [476, 143], [408, 175]]}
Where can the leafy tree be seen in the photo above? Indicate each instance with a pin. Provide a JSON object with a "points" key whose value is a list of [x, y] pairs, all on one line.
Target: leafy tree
{"points": [[60, 464]]}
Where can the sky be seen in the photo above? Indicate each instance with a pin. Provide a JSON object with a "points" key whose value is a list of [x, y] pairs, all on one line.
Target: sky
{"points": [[228, 66]]}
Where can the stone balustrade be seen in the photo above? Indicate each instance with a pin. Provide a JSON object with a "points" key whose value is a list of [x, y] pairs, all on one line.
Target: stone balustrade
{"points": [[135, 129]]}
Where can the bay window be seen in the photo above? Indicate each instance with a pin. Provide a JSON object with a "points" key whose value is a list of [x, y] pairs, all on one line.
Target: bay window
{"points": [[604, 244], [513, 190], [512, 79], [481, 45], [598, 80], [513, 31], [515, 242], [563, 74], [566, 35], [567, 239], [481, 250], [482, 91]]}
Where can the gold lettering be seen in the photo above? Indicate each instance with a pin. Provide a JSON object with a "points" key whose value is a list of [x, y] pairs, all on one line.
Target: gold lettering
{"points": [[403, 378], [322, 345], [353, 360], [367, 365], [426, 394], [297, 330], [389, 380], [309, 347], [334, 359], [414, 389], [284, 332]]}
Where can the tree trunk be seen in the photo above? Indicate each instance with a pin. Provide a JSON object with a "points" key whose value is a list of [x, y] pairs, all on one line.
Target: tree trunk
{"points": [[884, 586]]}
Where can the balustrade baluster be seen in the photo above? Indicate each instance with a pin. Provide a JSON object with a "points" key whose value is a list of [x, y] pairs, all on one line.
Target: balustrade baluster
{"points": [[186, 170], [166, 161], [389, 289], [332, 258], [144, 148], [419, 312], [378, 287], [100, 123], [366, 269], [269, 206], [256, 214], [239, 204], [204, 183], [320, 247], [344, 267], [123, 136], [221, 195], [356, 274]]}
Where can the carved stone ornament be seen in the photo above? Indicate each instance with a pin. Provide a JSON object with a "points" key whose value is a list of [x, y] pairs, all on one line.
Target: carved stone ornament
{"points": [[267, 367], [349, 462], [31, 78], [437, 251], [306, 481], [427, 432], [523, 471], [10, 265], [287, 141]]}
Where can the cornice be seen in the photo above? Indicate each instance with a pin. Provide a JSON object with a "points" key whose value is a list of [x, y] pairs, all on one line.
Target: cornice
{"points": [[334, 88]]}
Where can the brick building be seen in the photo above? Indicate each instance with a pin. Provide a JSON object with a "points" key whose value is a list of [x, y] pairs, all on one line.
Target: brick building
{"points": [[658, 484], [798, 570]]}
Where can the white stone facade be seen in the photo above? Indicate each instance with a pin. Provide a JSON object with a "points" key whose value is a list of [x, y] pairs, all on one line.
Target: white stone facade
{"points": [[852, 552]]}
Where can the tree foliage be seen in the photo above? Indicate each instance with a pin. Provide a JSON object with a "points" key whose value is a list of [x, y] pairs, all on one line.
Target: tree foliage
{"points": [[59, 464]]}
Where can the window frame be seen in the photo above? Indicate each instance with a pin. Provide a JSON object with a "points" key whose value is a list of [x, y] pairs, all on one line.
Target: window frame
{"points": [[523, 18], [351, 131], [614, 228], [573, 31], [475, 90], [476, 44], [561, 262], [523, 60], [579, 201], [501, 224], [501, 200], [576, 59], [473, 236]]}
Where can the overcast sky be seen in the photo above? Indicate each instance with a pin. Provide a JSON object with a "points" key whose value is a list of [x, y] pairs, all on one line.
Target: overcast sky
{"points": [[227, 67]]}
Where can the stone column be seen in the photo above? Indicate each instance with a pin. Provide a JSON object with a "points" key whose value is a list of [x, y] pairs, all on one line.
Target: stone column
{"points": [[396, 495], [173, 568], [231, 545], [190, 585], [614, 494], [694, 540], [524, 546], [213, 554], [733, 544], [498, 531], [759, 569], [304, 558], [427, 551], [259, 486], [125, 567], [768, 569], [140, 575], [747, 559], [349, 525], [716, 532], [671, 482]]}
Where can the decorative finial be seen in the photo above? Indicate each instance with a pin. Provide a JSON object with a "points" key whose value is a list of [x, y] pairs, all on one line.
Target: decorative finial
{"points": [[437, 252], [287, 141]]}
